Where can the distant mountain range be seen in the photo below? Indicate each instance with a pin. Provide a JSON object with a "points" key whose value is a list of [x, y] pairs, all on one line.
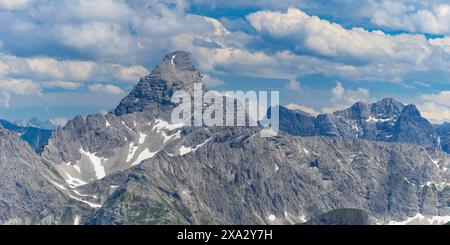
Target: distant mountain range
{"points": [[378, 163], [34, 132], [36, 123], [386, 120], [36, 137]]}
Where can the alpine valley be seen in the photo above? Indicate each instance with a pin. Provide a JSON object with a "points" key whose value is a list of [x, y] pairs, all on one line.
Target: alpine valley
{"points": [[380, 163]]}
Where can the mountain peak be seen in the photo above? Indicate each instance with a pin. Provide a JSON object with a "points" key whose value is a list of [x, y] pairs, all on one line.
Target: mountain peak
{"points": [[388, 101], [154, 92], [412, 111], [356, 111], [387, 108], [179, 59], [175, 69]]}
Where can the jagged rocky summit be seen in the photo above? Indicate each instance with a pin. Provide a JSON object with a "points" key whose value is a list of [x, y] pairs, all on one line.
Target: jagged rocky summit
{"points": [[386, 120]]}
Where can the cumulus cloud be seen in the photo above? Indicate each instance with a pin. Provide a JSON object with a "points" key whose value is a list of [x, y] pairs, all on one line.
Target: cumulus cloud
{"points": [[436, 107], [99, 10], [432, 17], [49, 69], [441, 98], [98, 39], [106, 89], [342, 98], [304, 32], [61, 84], [140, 32], [211, 81], [302, 108], [293, 85], [18, 87], [14, 4], [434, 112]]}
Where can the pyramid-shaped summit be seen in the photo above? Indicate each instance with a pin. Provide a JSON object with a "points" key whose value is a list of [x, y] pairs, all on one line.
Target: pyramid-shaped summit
{"points": [[154, 92]]}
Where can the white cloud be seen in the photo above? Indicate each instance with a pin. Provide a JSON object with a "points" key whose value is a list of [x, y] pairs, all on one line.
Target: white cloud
{"points": [[342, 98], [302, 108], [211, 81], [18, 87], [106, 89], [337, 93], [130, 74], [50, 69], [293, 85], [436, 107], [61, 84], [99, 39], [432, 17], [140, 32], [441, 98], [434, 112], [304, 32], [14, 4], [99, 10], [442, 43]]}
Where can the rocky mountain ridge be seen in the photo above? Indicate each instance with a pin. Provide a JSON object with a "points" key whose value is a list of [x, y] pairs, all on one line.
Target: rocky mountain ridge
{"points": [[132, 166], [37, 138], [386, 120]]}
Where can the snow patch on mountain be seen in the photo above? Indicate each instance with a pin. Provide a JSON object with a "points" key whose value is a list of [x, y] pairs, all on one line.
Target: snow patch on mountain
{"points": [[272, 218], [375, 120], [72, 181], [144, 155], [84, 195], [142, 138], [96, 162], [420, 219], [127, 126], [92, 205], [439, 186], [76, 167], [58, 185], [161, 124], [131, 152], [76, 220], [185, 150]]}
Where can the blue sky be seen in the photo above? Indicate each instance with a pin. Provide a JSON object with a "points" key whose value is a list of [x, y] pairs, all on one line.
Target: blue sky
{"points": [[68, 57]]}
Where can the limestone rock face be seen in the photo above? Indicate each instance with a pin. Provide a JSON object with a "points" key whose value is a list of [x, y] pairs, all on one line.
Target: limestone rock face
{"points": [[386, 120], [26, 195], [37, 138], [153, 93], [241, 178]]}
